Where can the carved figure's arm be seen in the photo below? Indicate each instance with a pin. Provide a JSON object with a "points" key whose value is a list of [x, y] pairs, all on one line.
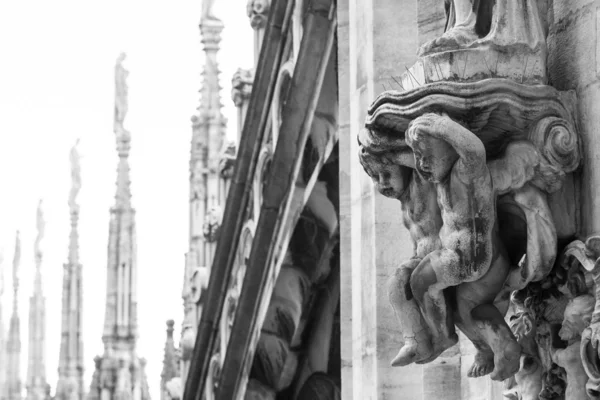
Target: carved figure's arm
{"points": [[468, 146]]}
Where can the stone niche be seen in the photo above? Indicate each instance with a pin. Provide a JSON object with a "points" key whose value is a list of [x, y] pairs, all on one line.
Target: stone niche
{"points": [[490, 164]]}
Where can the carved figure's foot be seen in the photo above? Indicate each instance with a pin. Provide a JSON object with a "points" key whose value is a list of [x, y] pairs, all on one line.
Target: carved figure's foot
{"points": [[507, 362], [440, 344], [456, 38], [412, 351], [483, 364]]}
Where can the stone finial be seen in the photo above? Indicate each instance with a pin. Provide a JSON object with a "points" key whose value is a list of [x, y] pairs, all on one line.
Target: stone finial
{"points": [[258, 12]]}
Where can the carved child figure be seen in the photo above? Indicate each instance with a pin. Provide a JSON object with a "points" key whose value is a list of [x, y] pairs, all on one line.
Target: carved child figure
{"points": [[394, 176], [578, 314], [454, 159]]}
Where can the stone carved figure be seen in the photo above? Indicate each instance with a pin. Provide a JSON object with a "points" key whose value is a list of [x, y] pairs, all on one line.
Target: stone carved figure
{"points": [[524, 158], [578, 315], [454, 159], [258, 12], [394, 176], [121, 105], [75, 176], [476, 23], [212, 224]]}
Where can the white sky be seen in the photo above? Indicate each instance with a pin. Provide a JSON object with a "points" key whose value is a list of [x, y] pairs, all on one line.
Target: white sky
{"points": [[57, 84]]}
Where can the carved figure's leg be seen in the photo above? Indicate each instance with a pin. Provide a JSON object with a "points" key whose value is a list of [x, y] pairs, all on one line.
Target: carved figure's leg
{"points": [[481, 321], [507, 351], [483, 363], [461, 34], [427, 283], [417, 338]]}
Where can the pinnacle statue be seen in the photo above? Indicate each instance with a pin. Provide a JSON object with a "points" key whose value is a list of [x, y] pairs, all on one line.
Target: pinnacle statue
{"points": [[70, 365], [119, 373]]}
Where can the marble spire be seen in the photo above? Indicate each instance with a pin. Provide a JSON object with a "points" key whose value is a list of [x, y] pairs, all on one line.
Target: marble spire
{"points": [[207, 191], [2, 338], [120, 372], [70, 364], [170, 363], [37, 387], [13, 345]]}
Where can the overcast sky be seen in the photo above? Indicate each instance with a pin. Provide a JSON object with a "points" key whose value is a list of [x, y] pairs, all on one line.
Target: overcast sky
{"points": [[57, 85]]}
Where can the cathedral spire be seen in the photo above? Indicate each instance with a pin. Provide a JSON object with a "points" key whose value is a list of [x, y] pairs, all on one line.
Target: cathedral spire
{"points": [[2, 339], [207, 190], [37, 387], [170, 368], [13, 345], [120, 372], [70, 364], [120, 324]]}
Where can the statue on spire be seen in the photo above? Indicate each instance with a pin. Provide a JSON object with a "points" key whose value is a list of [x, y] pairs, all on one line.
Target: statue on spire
{"points": [[121, 106], [40, 223], [207, 12], [75, 176], [16, 262]]}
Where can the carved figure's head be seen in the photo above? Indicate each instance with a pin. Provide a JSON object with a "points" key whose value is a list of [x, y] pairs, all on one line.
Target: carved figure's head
{"points": [[389, 171], [434, 157], [578, 314]]}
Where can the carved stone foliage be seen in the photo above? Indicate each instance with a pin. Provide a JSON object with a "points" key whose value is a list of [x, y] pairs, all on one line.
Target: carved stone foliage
{"points": [[474, 157]]}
